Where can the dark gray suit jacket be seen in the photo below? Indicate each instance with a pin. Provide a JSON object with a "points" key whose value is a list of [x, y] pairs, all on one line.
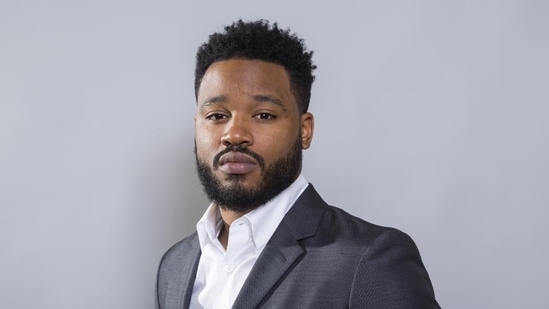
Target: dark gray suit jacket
{"points": [[318, 257]]}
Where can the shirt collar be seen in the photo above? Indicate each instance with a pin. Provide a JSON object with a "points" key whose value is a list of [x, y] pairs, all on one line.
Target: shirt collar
{"points": [[264, 219]]}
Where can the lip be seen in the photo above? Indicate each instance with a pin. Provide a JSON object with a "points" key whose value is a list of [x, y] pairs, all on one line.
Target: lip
{"points": [[237, 163]]}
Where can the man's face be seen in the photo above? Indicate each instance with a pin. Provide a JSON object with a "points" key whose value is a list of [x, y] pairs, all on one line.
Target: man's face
{"points": [[249, 133]]}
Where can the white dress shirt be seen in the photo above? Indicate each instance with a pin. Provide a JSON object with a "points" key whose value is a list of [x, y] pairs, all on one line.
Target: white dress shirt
{"points": [[221, 273]]}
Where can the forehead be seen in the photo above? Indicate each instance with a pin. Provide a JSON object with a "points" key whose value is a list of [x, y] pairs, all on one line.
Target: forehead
{"points": [[245, 76]]}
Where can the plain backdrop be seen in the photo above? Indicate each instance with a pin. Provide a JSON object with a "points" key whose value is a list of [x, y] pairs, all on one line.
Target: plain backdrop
{"points": [[431, 116]]}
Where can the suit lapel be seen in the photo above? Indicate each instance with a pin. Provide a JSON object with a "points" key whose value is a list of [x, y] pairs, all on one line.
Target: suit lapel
{"points": [[189, 268], [275, 260], [283, 249]]}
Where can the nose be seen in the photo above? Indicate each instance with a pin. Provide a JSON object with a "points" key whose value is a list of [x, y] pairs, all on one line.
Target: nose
{"points": [[237, 132]]}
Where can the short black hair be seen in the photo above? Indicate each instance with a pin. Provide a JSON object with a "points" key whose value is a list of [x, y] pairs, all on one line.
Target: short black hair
{"points": [[257, 40]]}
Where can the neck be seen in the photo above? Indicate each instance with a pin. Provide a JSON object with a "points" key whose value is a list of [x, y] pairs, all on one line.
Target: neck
{"points": [[228, 217]]}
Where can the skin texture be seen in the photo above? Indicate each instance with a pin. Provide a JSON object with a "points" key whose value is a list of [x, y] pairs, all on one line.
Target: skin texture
{"points": [[247, 103]]}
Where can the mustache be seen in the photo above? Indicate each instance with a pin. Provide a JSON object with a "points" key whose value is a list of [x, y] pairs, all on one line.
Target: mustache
{"points": [[241, 149]]}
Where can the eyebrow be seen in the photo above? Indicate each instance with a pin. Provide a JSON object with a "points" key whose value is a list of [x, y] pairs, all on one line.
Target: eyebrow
{"points": [[214, 100], [256, 97], [268, 98]]}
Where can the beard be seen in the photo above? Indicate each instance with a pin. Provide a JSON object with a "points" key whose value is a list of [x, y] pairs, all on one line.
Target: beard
{"points": [[236, 197]]}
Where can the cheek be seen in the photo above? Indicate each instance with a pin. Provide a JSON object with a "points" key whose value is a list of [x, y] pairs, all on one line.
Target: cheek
{"points": [[206, 144], [280, 143]]}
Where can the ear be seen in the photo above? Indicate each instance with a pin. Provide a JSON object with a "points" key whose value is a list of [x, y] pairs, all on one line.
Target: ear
{"points": [[307, 129]]}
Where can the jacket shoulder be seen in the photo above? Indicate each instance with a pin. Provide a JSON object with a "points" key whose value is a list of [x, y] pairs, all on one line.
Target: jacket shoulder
{"points": [[347, 226], [388, 269], [390, 272]]}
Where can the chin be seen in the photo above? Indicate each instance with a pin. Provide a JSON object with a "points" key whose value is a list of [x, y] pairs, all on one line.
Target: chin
{"points": [[240, 181]]}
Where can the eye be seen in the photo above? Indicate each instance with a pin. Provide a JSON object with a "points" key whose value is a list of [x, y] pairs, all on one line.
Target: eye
{"points": [[216, 116], [265, 116]]}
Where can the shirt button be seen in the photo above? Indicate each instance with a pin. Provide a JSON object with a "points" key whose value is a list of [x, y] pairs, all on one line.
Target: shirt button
{"points": [[229, 268]]}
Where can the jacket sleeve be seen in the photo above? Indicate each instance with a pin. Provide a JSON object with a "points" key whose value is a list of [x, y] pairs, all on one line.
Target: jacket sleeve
{"points": [[391, 274]]}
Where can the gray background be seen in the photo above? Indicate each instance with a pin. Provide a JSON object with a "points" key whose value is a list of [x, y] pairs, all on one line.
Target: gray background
{"points": [[431, 116]]}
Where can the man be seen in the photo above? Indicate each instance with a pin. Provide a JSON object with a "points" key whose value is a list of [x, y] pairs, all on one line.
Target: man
{"points": [[268, 240]]}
